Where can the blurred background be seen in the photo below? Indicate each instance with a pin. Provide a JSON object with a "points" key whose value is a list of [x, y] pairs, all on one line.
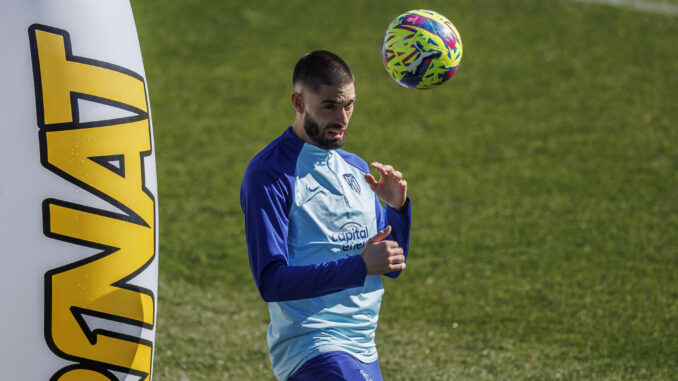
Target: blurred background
{"points": [[543, 179]]}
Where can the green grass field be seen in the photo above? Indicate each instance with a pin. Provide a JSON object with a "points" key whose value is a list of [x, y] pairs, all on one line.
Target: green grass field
{"points": [[544, 179]]}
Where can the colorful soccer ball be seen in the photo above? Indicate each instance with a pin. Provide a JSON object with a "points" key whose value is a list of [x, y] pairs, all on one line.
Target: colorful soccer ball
{"points": [[421, 49]]}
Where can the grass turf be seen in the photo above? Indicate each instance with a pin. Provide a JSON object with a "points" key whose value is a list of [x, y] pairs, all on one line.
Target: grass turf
{"points": [[543, 178]]}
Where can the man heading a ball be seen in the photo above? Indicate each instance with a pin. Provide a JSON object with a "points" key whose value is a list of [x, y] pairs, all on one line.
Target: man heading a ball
{"points": [[318, 238]]}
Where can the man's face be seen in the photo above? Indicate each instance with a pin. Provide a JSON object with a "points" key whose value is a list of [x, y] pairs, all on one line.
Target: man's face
{"points": [[327, 113]]}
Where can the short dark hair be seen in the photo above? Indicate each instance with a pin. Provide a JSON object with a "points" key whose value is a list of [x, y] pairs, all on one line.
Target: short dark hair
{"points": [[321, 67]]}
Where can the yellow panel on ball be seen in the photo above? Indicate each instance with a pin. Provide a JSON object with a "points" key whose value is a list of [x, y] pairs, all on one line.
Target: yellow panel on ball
{"points": [[421, 49]]}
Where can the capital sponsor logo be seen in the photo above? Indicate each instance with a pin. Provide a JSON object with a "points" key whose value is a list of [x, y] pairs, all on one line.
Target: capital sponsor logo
{"points": [[352, 236]]}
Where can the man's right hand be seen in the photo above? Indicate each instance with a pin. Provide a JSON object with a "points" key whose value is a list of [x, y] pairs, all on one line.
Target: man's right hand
{"points": [[381, 256]]}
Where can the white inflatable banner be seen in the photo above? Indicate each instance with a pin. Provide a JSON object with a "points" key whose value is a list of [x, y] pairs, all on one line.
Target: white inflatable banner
{"points": [[78, 211]]}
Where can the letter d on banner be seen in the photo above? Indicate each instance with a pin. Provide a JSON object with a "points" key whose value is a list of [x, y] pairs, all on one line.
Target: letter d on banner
{"points": [[78, 212]]}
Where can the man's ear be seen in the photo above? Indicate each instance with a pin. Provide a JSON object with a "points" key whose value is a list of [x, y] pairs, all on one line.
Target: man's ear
{"points": [[298, 102]]}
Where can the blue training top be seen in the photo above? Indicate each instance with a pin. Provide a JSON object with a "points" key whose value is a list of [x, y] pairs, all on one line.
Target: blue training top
{"points": [[308, 214]]}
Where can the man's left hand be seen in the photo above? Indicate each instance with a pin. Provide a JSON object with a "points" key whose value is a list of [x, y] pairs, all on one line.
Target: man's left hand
{"points": [[391, 187]]}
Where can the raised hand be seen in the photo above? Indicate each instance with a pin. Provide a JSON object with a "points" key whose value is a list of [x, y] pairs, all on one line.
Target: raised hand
{"points": [[391, 187]]}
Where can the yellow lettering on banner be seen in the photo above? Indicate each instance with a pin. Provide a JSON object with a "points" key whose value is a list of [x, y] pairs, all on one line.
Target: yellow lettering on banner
{"points": [[80, 153], [69, 151], [79, 374], [60, 77], [90, 287]]}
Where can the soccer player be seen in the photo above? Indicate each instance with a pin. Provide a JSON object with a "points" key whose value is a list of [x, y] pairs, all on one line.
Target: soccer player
{"points": [[318, 238]]}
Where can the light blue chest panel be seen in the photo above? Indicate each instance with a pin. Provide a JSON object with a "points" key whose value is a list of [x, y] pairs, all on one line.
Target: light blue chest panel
{"points": [[332, 217], [333, 214]]}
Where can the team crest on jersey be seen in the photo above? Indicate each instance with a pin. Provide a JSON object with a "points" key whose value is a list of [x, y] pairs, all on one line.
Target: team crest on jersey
{"points": [[352, 182]]}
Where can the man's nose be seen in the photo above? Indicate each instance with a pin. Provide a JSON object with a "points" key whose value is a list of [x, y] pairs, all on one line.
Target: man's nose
{"points": [[342, 117]]}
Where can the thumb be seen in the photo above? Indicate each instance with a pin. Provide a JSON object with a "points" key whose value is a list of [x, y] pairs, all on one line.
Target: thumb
{"points": [[371, 181], [381, 234]]}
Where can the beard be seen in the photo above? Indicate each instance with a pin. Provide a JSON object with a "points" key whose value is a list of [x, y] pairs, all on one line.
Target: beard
{"points": [[319, 137]]}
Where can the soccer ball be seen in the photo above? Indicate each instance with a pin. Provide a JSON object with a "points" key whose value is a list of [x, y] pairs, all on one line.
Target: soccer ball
{"points": [[421, 49]]}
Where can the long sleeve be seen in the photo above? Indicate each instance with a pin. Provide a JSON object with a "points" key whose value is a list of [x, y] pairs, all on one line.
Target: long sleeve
{"points": [[265, 200], [400, 227]]}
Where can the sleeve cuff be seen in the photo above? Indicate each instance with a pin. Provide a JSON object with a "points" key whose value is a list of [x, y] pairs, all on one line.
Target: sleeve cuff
{"points": [[404, 208]]}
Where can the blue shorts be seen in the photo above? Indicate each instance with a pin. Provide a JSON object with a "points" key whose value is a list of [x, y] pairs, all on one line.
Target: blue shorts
{"points": [[337, 366]]}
